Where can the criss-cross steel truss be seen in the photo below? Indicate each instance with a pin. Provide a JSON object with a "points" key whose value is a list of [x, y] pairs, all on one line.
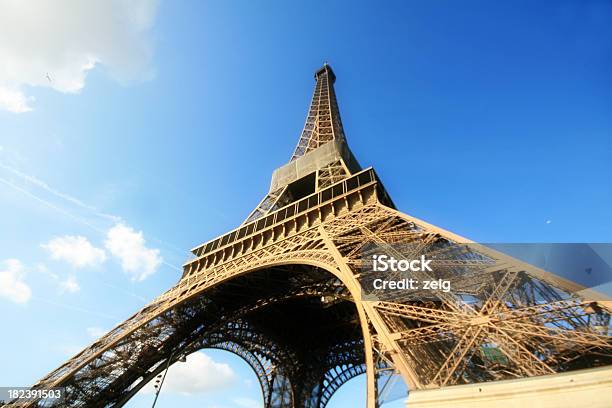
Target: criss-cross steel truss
{"points": [[285, 292]]}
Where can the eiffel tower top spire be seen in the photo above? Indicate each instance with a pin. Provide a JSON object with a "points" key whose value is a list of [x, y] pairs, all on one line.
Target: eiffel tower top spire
{"points": [[323, 122], [322, 156]]}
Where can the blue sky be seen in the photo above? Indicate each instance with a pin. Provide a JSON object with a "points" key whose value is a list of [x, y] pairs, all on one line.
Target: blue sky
{"points": [[131, 132]]}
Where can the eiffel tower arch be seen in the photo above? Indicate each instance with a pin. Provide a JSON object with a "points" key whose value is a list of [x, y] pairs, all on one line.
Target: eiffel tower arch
{"points": [[285, 292]]}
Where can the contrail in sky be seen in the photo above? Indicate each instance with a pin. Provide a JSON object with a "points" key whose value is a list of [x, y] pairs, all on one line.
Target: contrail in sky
{"points": [[39, 183]]}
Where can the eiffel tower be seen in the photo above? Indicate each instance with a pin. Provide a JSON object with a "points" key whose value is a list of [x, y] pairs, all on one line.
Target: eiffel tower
{"points": [[286, 291]]}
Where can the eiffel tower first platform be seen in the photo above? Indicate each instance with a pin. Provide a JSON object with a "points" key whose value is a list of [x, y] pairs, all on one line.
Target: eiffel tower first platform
{"points": [[286, 291]]}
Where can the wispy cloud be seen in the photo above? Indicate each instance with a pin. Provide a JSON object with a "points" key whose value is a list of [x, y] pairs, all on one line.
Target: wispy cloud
{"points": [[59, 194], [119, 289], [70, 285], [15, 101], [12, 285], [42, 268], [49, 204], [76, 308]]}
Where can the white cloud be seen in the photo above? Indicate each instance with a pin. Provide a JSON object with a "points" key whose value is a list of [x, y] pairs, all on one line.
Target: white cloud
{"points": [[96, 332], [12, 285], [14, 101], [70, 285], [129, 246], [76, 250], [199, 374], [55, 44]]}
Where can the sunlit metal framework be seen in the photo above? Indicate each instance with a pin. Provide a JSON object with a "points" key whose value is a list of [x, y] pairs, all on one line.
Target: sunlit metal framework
{"points": [[284, 292]]}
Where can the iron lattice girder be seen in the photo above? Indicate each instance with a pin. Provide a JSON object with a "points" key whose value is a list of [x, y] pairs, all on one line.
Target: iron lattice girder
{"points": [[433, 315], [224, 332], [259, 351], [323, 122], [530, 319]]}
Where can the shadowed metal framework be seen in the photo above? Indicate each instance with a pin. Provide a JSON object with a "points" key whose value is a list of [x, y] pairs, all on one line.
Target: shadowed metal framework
{"points": [[283, 291]]}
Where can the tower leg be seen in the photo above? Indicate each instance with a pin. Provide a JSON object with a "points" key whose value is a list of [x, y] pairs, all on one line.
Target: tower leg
{"points": [[355, 290]]}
